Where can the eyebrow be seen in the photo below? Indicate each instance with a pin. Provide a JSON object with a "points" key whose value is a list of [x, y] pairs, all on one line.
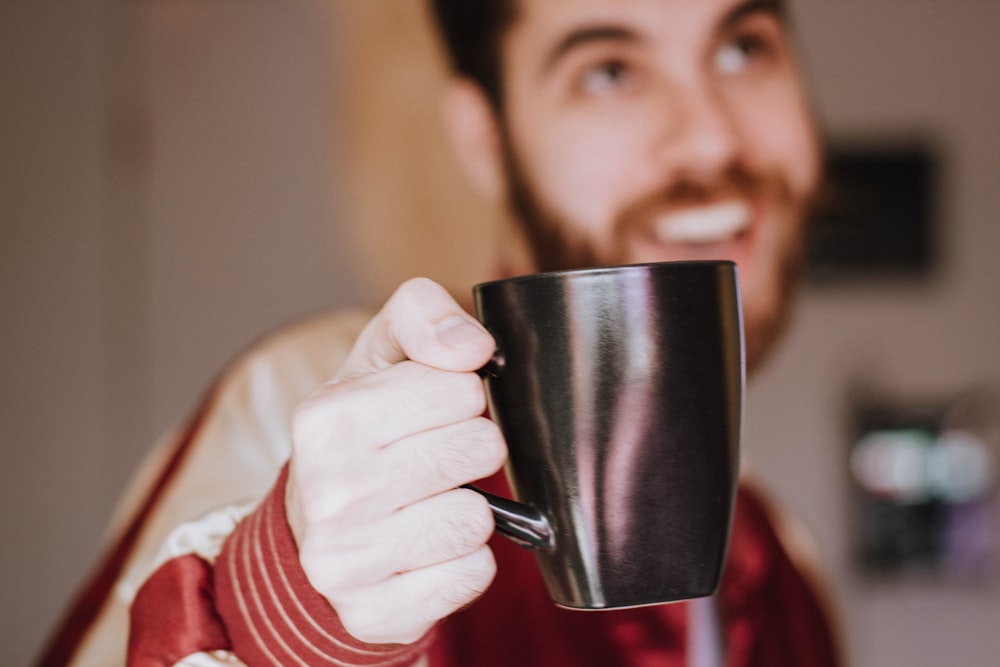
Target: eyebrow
{"points": [[589, 34], [744, 9]]}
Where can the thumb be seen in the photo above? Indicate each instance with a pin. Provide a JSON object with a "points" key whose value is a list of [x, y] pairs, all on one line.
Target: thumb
{"points": [[423, 323]]}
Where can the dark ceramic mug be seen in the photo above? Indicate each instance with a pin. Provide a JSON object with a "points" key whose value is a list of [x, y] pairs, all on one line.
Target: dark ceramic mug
{"points": [[619, 392]]}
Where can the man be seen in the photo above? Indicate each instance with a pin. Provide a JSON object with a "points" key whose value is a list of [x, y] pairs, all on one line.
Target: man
{"points": [[615, 131]]}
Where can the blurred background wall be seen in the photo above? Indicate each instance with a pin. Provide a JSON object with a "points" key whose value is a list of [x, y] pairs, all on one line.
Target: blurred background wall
{"points": [[177, 177]]}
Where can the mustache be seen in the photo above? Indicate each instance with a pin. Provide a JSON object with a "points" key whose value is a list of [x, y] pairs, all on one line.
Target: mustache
{"points": [[734, 183]]}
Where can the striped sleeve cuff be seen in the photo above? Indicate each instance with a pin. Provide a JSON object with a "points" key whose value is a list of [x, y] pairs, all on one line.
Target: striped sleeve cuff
{"points": [[272, 614]]}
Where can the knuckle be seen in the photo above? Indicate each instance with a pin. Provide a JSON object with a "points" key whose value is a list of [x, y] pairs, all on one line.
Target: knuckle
{"points": [[448, 395], [456, 524], [413, 387], [400, 300], [324, 574], [362, 622], [307, 422], [476, 518], [470, 389], [339, 561], [367, 617], [489, 444], [410, 297], [418, 288], [468, 524], [460, 394], [469, 579], [471, 450], [335, 571], [480, 521], [483, 567], [331, 409]]}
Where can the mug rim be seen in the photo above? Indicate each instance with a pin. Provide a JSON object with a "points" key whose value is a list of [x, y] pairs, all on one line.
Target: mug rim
{"points": [[598, 270]]}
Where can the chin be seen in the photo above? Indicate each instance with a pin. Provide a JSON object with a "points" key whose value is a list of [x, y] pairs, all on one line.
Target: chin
{"points": [[734, 251], [768, 302], [761, 331]]}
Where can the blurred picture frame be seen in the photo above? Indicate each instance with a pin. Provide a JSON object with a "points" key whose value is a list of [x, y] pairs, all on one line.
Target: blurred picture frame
{"points": [[877, 215]]}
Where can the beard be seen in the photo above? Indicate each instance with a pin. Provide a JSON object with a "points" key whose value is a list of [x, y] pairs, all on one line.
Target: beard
{"points": [[777, 257]]}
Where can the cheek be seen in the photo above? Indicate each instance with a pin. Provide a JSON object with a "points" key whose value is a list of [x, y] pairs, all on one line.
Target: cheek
{"points": [[584, 191], [781, 138]]}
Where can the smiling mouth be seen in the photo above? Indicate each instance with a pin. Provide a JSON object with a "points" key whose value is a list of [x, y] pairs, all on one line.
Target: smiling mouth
{"points": [[699, 225]]}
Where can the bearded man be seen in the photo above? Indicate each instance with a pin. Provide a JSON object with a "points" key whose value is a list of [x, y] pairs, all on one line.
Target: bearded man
{"points": [[613, 131]]}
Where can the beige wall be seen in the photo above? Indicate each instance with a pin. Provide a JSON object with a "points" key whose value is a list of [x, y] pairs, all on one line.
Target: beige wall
{"points": [[53, 425], [166, 172], [174, 181], [415, 214], [889, 69]]}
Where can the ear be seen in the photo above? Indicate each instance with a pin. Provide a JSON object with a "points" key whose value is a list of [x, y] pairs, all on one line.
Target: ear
{"points": [[472, 125]]}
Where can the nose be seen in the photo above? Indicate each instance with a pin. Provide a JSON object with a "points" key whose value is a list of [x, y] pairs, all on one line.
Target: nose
{"points": [[698, 138]]}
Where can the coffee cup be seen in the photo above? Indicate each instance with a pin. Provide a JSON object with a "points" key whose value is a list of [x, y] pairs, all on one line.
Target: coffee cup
{"points": [[619, 391]]}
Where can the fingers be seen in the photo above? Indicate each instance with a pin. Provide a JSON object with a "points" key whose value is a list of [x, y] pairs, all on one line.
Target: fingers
{"points": [[346, 485], [422, 322], [418, 599], [437, 530], [377, 453], [439, 564], [435, 461], [379, 409]]}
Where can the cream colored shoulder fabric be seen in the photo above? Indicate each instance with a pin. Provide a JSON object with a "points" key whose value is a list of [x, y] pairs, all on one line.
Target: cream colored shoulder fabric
{"points": [[227, 659], [237, 448], [211, 659]]}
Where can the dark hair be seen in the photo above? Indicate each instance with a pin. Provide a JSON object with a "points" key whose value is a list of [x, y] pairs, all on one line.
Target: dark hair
{"points": [[471, 31]]}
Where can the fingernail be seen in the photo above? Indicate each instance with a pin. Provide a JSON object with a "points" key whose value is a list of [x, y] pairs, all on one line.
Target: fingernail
{"points": [[458, 330]]}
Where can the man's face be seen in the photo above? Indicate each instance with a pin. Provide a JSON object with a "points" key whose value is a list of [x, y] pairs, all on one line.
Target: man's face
{"points": [[658, 130]]}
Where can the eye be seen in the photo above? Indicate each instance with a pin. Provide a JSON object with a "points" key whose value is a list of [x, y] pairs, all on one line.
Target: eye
{"points": [[740, 53], [608, 78]]}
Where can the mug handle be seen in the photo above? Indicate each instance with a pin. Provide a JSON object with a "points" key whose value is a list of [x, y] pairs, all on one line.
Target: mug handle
{"points": [[523, 525]]}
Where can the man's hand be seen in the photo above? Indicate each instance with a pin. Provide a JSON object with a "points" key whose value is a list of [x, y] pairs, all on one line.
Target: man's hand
{"points": [[378, 452]]}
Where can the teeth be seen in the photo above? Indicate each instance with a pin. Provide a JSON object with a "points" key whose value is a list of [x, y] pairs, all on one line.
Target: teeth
{"points": [[704, 224]]}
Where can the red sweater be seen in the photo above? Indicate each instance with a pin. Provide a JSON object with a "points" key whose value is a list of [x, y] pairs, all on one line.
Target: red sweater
{"points": [[257, 603]]}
